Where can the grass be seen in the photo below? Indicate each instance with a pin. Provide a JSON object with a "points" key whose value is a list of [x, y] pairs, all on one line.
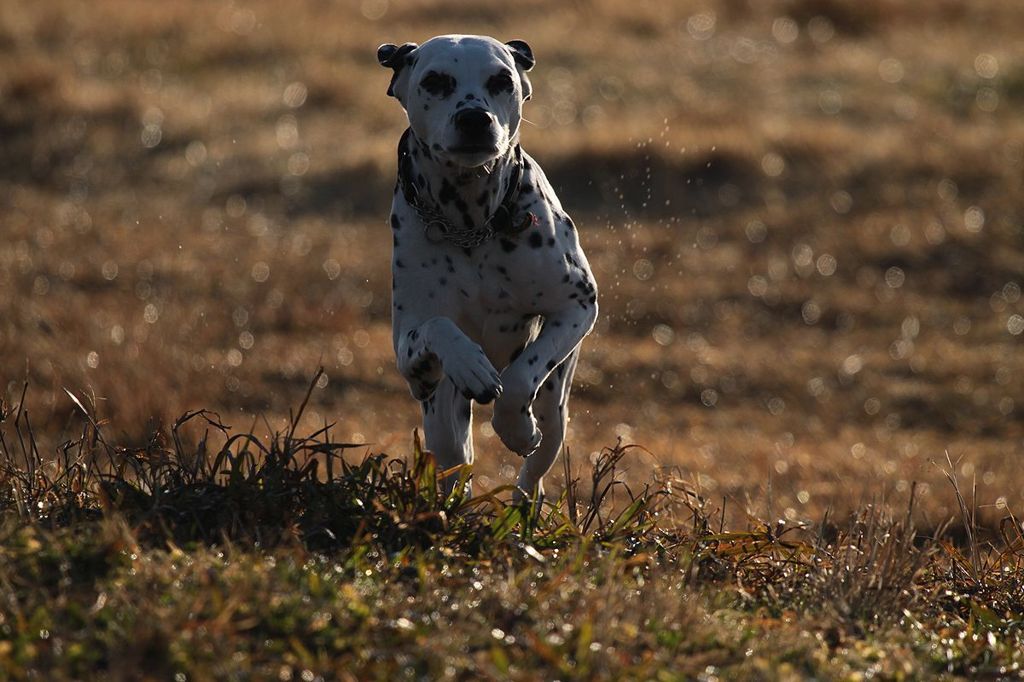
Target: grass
{"points": [[229, 557]]}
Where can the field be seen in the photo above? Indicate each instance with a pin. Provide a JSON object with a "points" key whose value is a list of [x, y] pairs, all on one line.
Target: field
{"points": [[807, 223]]}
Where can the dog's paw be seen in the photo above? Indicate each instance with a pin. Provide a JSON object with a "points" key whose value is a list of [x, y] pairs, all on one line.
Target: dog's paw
{"points": [[472, 373], [516, 427]]}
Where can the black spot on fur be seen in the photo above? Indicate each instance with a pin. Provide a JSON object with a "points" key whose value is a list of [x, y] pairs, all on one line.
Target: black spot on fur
{"points": [[536, 240], [438, 84], [507, 246], [447, 193], [396, 224], [550, 365], [499, 83]]}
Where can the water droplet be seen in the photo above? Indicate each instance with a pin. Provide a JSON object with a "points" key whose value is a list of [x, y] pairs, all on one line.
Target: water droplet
{"points": [[295, 95], [663, 334], [151, 135], [891, 70], [852, 364], [701, 26], [986, 65], [643, 269], [756, 231], [773, 164], [195, 153], [260, 272], [811, 312], [895, 277], [827, 265], [974, 219], [374, 9], [785, 30]]}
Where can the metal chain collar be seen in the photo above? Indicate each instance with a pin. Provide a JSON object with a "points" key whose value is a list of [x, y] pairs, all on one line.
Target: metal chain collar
{"points": [[438, 227]]}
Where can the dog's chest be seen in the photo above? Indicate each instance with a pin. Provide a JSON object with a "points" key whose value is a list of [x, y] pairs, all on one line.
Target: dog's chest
{"points": [[502, 278]]}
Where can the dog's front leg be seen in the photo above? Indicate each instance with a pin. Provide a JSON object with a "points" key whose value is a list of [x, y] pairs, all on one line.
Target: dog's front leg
{"points": [[513, 419], [436, 348]]}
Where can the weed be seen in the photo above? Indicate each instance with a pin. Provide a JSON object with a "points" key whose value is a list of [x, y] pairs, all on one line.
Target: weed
{"points": [[300, 557]]}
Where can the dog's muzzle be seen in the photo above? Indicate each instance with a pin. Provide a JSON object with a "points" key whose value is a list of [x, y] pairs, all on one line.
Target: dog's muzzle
{"points": [[475, 131]]}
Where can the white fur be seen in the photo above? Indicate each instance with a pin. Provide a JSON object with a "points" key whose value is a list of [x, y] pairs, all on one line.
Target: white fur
{"points": [[460, 315]]}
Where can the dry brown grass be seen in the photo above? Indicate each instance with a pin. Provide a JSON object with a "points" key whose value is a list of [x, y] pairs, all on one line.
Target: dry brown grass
{"points": [[720, 156]]}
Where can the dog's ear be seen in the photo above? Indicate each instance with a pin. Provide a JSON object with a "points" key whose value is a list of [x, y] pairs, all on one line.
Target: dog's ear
{"points": [[397, 58], [522, 53]]}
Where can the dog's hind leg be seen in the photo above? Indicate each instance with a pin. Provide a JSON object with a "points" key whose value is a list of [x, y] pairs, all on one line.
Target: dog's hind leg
{"points": [[551, 410], [447, 427]]}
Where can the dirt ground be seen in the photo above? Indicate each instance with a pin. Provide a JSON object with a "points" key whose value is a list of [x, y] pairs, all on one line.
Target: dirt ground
{"points": [[805, 219]]}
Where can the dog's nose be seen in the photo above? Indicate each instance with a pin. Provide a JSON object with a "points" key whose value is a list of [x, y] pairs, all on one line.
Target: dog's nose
{"points": [[472, 120]]}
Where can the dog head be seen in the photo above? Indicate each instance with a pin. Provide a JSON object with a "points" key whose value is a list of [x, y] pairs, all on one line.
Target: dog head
{"points": [[463, 94]]}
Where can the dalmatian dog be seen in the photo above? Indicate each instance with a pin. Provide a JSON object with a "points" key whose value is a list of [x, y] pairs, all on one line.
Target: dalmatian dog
{"points": [[492, 294]]}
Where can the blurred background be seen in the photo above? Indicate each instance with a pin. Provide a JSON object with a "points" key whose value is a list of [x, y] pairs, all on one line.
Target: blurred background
{"points": [[805, 218]]}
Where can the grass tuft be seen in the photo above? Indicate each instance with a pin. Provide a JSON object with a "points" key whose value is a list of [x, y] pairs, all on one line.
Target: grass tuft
{"points": [[115, 560]]}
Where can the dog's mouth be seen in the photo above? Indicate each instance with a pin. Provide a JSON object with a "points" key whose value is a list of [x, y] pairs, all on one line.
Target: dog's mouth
{"points": [[474, 148]]}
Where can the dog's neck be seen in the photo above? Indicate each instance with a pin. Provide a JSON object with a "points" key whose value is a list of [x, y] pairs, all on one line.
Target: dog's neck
{"points": [[466, 197]]}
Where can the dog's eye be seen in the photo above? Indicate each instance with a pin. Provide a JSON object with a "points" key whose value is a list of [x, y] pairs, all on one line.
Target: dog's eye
{"points": [[500, 82], [438, 84]]}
